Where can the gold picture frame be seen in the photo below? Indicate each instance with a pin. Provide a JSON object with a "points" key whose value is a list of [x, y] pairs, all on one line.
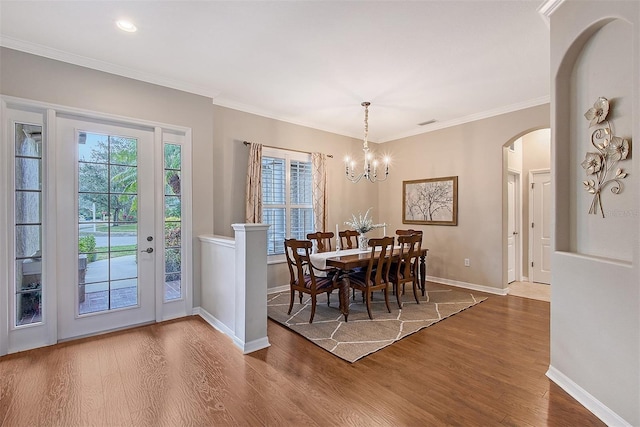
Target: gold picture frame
{"points": [[432, 201]]}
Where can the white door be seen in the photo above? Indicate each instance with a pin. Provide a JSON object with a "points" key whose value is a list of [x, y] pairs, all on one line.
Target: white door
{"points": [[540, 208], [105, 225], [512, 227]]}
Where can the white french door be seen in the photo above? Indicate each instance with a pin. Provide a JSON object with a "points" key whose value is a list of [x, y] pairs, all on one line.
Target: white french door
{"points": [[105, 226], [95, 223]]}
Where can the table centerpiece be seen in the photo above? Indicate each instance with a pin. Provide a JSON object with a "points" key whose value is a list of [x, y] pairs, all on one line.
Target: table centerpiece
{"points": [[363, 224]]}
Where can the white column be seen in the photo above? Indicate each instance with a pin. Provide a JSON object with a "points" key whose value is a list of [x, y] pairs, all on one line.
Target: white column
{"points": [[251, 287]]}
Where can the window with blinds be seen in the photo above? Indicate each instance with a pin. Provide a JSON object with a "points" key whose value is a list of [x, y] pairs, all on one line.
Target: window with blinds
{"points": [[286, 197]]}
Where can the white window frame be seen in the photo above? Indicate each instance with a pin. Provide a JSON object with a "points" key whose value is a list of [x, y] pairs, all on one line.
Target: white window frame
{"points": [[288, 156]]}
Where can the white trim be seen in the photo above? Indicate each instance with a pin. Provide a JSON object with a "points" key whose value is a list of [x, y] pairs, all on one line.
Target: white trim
{"points": [[598, 409], [4, 226], [245, 347], [31, 105], [214, 93], [473, 117], [518, 273], [213, 321], [547, 8], [107, 67], [418, 131], [472, 286], [228, 242]]}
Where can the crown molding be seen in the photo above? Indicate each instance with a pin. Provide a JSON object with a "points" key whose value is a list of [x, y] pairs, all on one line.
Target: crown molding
{"points": [[106, 67], [547, 8], [214, 94], [474, 117]]}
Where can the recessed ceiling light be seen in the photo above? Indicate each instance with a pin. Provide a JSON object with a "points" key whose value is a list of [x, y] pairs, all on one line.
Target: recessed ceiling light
{"points": [[126, 26]]}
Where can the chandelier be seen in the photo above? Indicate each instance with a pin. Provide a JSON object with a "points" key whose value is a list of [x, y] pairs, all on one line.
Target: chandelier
{"points": [[370, 165]]}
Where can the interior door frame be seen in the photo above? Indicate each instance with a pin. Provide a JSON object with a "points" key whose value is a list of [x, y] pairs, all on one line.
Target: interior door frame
{"points": [[517, 222], [45, 333]]}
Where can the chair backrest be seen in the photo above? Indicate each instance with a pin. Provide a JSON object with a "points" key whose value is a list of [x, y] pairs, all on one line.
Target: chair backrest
{"points": [[380, 263], [297, 252], [409, 251], [322, 240], [348, 239], [408, 232]]}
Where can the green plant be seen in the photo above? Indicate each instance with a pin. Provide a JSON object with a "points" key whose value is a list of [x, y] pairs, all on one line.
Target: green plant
{"points": [[173, 231], [87, 245]]}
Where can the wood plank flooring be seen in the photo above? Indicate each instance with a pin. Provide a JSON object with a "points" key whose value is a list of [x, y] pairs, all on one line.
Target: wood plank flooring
{"points": [[482, 367]]}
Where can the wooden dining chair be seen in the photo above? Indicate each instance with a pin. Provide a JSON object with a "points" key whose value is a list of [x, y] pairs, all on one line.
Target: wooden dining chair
{"points": [[376, 276], [405, 269], [303, 274], [348, 239], [322, 240], [408, 232]]}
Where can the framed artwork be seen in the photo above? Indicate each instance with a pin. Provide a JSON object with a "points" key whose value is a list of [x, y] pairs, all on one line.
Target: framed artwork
{"points": [[431, 201]]}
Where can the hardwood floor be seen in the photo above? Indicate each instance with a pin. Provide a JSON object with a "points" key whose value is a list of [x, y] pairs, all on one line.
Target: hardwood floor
{"points": [[482, 367]]}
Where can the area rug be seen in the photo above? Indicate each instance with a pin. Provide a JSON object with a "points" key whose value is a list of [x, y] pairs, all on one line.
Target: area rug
{"points": [[361, 336]]}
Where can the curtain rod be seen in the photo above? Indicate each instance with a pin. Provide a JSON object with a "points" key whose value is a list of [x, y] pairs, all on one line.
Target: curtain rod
{"points": [[288, 149]]}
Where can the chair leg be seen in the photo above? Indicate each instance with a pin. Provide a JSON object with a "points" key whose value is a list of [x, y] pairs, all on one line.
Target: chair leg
{"points": [[415, 290], [386, 299], [397, 288], [293, 295], [300, 297], [368, 303], [313, 307], [329, 298]]}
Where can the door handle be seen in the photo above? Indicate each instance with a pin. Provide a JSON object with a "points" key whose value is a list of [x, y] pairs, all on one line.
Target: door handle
{"points": [[148, 250], [515, 232]]}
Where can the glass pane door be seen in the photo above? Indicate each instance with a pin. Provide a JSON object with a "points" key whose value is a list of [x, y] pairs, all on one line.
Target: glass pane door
{"points": [[105, 226], [107, 222]]}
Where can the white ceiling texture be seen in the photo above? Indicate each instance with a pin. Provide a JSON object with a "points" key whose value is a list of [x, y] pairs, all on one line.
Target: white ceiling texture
{"points": [[310, 62]]}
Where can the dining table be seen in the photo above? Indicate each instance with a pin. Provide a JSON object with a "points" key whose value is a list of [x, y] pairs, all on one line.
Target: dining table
{"points": [[347, 260]]}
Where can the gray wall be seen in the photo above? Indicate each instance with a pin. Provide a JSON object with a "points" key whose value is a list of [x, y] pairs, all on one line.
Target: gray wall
{"points": [[40, 79], [595, 292]]}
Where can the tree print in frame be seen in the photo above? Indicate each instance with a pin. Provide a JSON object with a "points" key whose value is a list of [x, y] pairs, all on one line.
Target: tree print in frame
{"points": [[431, 201]]}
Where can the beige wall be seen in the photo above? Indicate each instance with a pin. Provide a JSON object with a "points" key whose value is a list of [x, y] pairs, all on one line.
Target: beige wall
{"points": [[32, 77], [232, 127], [473, 152]]}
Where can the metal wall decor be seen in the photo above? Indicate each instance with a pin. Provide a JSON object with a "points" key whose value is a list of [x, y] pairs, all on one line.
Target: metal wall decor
{"points": [[602, 164]]}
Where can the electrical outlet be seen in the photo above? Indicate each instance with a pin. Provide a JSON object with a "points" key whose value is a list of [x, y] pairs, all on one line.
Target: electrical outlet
{"points": [[466, 262]]}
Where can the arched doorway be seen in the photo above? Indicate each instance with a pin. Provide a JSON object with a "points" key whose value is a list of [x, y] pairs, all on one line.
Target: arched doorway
{"points": [[527, 220]]}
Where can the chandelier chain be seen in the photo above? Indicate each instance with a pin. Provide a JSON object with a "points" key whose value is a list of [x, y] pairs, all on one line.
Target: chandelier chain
{"points": [[370, 164]]}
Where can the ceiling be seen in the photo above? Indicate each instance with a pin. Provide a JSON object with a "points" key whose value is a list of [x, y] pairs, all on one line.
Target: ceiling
{"points": [[310, 62]]}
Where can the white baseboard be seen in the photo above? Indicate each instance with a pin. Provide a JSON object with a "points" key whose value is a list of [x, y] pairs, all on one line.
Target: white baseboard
{"points": [[251, 346], [472, 286], [211, 319], [598, 409], [246, 347], [480, 288]]}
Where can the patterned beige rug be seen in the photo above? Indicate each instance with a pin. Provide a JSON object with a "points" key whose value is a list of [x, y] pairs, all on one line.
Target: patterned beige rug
{"points": [[361, 336]]}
